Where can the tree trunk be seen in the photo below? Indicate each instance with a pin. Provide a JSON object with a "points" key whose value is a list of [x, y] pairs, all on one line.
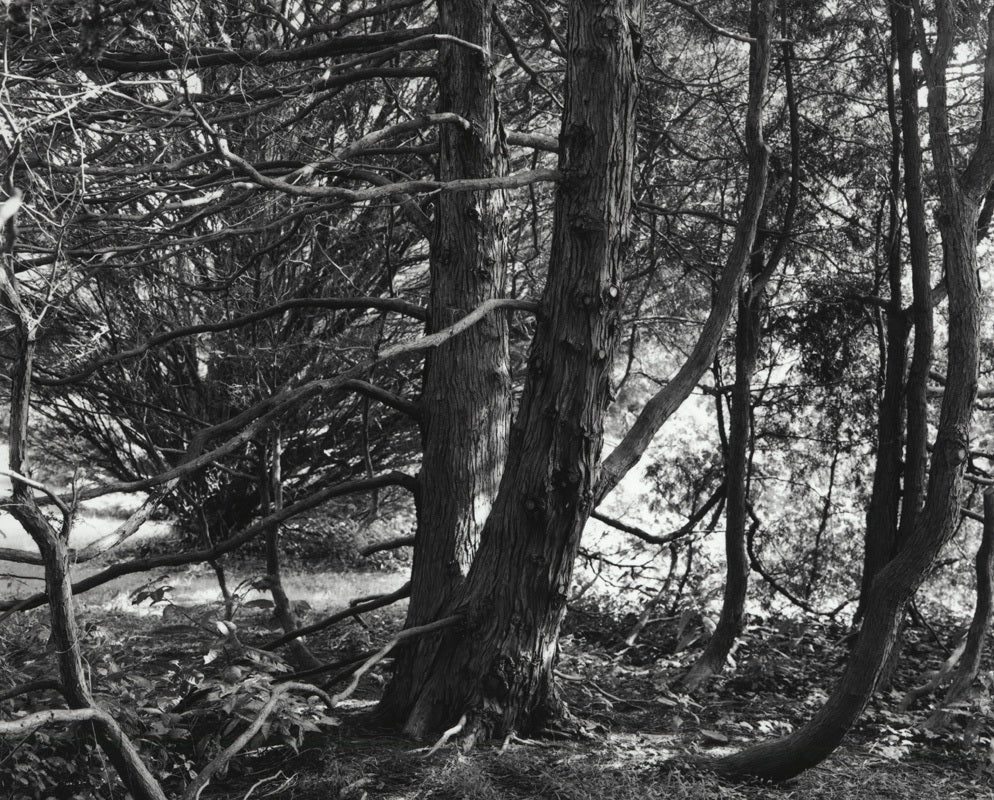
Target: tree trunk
{"points": [[961, 194], [466, 400], [747, 338], [495, 671], [969, 664], [915, 459], [883, 511], [272, 483]]}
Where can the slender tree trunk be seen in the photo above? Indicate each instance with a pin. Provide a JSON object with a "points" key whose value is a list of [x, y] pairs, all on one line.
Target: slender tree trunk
{"points": [[883, 511], [747, 339], [961, 194], [466, 400], [495, 672], [915, 455], [655, 601], [969, 665], [282, 608]]}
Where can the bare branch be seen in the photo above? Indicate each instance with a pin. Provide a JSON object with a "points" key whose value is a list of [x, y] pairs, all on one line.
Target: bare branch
{"points": [[220, 548], [352, 611], [252, 420], [389, 544], [337, 46], [332, 303], [196, 787], [409, 633]]}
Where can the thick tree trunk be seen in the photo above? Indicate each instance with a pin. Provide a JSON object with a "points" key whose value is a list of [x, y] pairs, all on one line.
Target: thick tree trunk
{"points": [[960, 194], [466, 398], [969, 665], [495, 672]]}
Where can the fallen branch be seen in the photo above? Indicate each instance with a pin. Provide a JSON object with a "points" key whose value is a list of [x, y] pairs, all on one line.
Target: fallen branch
{"points": [[9, 727], [42, 685]]}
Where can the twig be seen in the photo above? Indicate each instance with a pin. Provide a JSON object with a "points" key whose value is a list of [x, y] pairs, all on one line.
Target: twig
{"points": [[287, 782]]}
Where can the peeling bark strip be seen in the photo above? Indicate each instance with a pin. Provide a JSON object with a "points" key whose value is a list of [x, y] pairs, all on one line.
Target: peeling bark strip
{"points": [[466, 397], [497, 667], [960, 196]]}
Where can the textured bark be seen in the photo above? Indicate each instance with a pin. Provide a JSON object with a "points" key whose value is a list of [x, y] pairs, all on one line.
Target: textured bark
{"points": [[497, 668], [969, 665], [466, 395], [960, 195]]}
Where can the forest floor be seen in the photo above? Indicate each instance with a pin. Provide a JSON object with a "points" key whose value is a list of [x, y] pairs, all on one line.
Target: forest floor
{"points": [[640, 726]]}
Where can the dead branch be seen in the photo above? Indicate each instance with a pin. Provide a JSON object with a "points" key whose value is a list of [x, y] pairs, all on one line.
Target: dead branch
{"points": [[331, 303], [198, 784], [389, 544], [383, 652], [352, 611], [252, 420], [42, 685]]}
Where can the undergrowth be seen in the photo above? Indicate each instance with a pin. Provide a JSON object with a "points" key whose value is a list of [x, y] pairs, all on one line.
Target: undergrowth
{"points": [[182, 684]]}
